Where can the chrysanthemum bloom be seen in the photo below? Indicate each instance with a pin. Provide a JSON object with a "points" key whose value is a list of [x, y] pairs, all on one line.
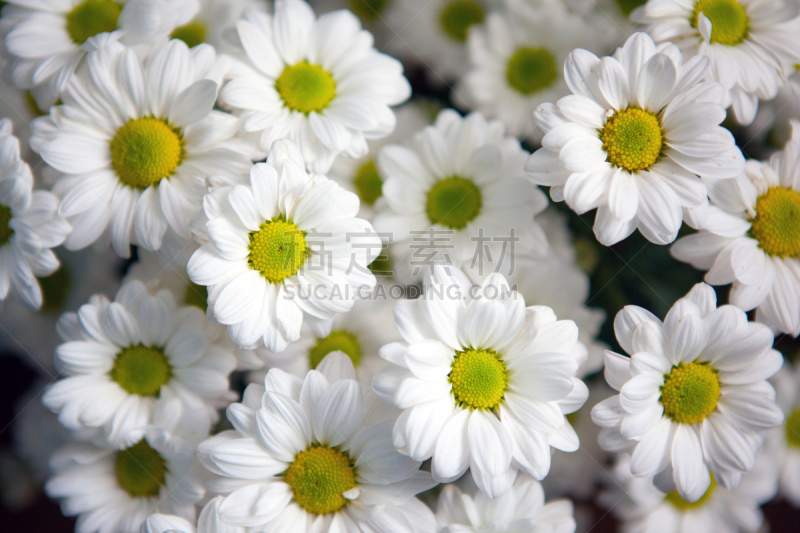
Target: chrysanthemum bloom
{"points": [[749, 43], [137, 361], [29, 226], [302, 459], [284, 248], [112, 490], [751, 238], [642, 508], [318, 82], [456, 182], [693, 403], [520, 509], [784, 441], [634, 139], [483, 382], [134, 143], [515, 60]]}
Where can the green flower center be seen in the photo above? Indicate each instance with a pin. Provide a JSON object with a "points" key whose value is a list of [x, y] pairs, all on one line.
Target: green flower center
{"points": [[341, 340], [679, 503], [632, 139], [368, 9], [196, 295], [479, 379], [146, 150], [729, 22], [305, 87], [192, 34], [627, 6], [319, 476], [91, 17], [368, 182], [793, 429], [141, 470], [690, 392], [141, 370], [454, 202], [277, 250], [457, 17], [55, 289], [531, 70], [5, 229], [776, 225]]}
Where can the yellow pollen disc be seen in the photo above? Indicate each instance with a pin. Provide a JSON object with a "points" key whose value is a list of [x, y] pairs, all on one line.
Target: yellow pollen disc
{"points": [[6, 232], [776, 225], [141, 470], [192, 34], [793, 429], [318, 477], [459, 16], [368, 182], [146, 150], [531, 70], [340, 340], [454, 202], [92, 17], [305, 87], [690, 392], [632, 139], [141, 370], [678, 502], [479, 379], [277, 250], [729, 22]]}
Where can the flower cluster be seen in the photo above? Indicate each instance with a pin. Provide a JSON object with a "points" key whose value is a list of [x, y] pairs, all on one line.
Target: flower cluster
{"points": [[293, 266]]}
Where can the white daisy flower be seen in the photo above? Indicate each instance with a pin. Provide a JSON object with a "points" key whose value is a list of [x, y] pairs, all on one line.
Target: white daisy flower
{"points": [[458, 181], [359, 334], [134, 143], [361, 175], [642, 508], [751, 238], [633, 139], [784, 441], [29, 226], [284, 248], [138, 361], [694, 400], [520, 509], [113, 491], [301, 458], [318, 82], [483, 382], [515, 60], [749, 43]]}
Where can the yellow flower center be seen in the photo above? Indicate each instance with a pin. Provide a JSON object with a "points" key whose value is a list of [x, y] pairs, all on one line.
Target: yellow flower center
{"points": [[627, 6], [679, 503], [368, 182], [340, 340], [729, 22], [192, 34], [793, 429], [277, 250], [141, 370], [632, 139], [91, 17], [146, 150], [457, 17], [690, 392], [479, 379], [454, 202], [141, 470], [5, 229], [305, 87], [319, 476], [776, 225], [196, 295], [368, 9], [55, 288], [531, 70]]}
